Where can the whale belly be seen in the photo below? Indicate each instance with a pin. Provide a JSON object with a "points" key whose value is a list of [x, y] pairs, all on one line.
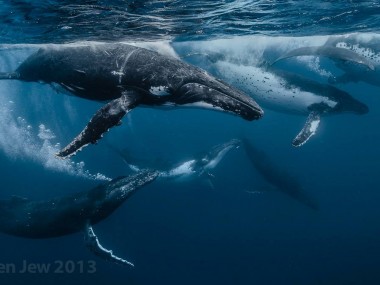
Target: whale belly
{"points": [[270, 90]]}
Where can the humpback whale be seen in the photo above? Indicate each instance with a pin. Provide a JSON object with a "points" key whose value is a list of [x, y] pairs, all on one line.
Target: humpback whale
{"points": [[66, 215], [283, 91], [128, 76], [288, 92], [328, 51], [199, 165], [342, 56], [277, 177]]}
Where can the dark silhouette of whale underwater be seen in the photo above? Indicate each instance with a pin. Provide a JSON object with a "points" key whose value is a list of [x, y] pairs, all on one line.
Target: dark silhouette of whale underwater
{"points": [[70, 214], [129, 76], [279, 178]]}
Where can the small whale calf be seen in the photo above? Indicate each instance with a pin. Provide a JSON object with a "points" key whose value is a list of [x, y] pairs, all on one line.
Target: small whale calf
{"points": [[66, 215], [128, 77], [200, 165]]}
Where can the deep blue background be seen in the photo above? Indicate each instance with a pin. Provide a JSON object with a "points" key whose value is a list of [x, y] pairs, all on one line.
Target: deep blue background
{"points": [[187, 233]]}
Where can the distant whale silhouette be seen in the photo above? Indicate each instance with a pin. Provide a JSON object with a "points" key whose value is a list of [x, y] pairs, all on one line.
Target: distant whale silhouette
{"points": [[66, 215], [277, 177], [129, 76]]}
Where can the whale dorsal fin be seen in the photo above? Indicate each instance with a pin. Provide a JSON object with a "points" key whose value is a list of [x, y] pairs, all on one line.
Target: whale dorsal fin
{"points": [[92, 243], [108, 116], [308, 130]]}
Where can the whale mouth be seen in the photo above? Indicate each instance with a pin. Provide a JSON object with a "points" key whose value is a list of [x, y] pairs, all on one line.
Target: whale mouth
{"points": [[218, 96]]}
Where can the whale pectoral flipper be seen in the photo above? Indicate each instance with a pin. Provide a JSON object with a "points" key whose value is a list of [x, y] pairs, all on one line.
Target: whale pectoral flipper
{"points": [[308, 130], [105, 118], [92, 243]]}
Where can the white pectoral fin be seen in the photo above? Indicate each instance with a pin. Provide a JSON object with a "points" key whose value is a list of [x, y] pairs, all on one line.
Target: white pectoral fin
{"points": [[92, 243], [108, 116], [308, 130]]}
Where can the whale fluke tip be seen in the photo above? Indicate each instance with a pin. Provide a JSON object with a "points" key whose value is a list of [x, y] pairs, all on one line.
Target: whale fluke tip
{"points": [[92, 243]]}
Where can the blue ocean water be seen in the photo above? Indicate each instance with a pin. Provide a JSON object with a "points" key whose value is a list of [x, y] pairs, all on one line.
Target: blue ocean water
{"points": [[239, 231]]}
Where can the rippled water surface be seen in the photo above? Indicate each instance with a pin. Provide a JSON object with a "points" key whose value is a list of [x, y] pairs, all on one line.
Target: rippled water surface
{"points": [[68, 21]]}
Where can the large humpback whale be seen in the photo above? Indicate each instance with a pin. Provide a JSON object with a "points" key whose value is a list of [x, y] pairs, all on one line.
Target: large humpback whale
{"points": [[66, 215], [129, 76], [283, 91], [287, 92]]}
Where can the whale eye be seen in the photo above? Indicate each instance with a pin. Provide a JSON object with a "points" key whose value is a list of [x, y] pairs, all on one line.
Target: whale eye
{"points": [[159, 90]]}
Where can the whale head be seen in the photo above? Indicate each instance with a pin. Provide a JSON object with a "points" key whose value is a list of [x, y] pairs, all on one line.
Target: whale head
{"points": [[208, 92], [347, 103], [119, 189], [357, 108], [213, 157]]}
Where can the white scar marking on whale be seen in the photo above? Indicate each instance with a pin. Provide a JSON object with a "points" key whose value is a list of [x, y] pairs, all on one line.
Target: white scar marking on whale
{"points": [[117, 73], [68, 87], [159, 90], [121, 71]]}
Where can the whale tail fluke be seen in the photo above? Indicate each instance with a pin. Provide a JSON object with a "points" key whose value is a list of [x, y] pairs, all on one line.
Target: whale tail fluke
{"points": [[9, 75], [92, 243]]}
